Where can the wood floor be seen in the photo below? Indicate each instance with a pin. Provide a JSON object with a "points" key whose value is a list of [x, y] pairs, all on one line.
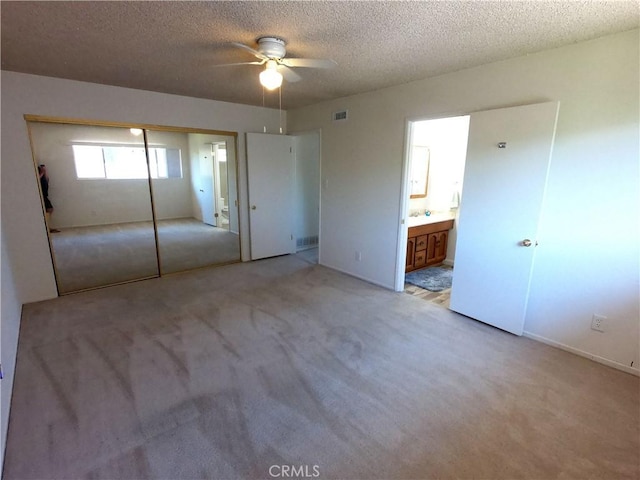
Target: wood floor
{"points": [[442, 298]]}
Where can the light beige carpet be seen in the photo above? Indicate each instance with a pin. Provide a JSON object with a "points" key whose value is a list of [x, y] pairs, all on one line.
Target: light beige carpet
{"points": [[89, 257], [222, 373]]}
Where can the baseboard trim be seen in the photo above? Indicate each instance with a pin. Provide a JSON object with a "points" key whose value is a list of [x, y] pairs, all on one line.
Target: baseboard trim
{"points": [[304, 249], [582, 353], [359, 277]]}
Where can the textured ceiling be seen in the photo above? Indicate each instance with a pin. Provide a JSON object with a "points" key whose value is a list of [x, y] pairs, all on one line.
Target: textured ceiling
{"points": [[173, 47]]}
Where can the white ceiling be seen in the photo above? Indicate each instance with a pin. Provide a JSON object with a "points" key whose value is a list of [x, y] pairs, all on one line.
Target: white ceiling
{"points": [[173, 47]]}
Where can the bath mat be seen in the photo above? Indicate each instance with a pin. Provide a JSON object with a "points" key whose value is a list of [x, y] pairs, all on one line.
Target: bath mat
{"points": [[434, 279]]}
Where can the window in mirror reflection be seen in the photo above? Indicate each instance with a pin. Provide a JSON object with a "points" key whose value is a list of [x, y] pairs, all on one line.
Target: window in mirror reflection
{"points": [[104, 161]]}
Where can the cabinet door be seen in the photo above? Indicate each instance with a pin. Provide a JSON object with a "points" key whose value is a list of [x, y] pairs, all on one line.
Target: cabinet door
{"points": [[441, 246], [431, 248], [411, 244], [437, 247]]}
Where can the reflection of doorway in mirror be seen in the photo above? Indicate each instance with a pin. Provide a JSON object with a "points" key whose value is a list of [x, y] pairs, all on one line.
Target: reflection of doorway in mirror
{"points": [[216, 173], [221, 184], [207, 186], [201, 235]]}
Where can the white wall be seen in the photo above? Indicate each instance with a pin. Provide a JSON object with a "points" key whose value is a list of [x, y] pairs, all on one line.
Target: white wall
{"points": [[11, 310], [172, 196], [307, 185], [588, 259]]}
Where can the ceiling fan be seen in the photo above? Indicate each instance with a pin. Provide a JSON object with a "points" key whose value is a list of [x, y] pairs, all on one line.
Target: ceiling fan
{"points": [[271, 51]]}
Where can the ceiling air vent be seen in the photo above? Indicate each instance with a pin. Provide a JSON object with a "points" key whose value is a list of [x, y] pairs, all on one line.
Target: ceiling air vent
{"points": [[340, 116]]}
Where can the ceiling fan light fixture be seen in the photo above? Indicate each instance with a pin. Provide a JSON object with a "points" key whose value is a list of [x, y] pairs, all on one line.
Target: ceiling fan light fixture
{"points": [[270, 78]]}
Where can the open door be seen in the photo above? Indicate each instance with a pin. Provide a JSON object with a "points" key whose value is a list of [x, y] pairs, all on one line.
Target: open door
{"points": [[270, 163], [207, 197], [508, 157], [220, 185]]}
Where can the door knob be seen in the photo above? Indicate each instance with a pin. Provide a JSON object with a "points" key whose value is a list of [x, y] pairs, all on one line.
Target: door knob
{"points": [[526, 242], [253, 207]]}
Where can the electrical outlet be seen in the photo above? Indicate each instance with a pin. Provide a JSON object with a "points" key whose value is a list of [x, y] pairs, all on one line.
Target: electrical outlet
{"points": [[597, 322], [358, 256]]}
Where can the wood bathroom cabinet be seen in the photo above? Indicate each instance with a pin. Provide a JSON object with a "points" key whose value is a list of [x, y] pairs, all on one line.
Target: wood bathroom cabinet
{"points": [[427, 244]]}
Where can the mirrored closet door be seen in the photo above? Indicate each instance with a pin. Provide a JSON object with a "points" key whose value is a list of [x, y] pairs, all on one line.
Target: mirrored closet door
{"points": [[124, 204], [194, 192]]}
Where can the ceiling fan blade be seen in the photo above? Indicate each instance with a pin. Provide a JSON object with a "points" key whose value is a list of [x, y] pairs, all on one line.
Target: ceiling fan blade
{"points": [[240, 63], [288, 74], [309, 62], [249, 49]]}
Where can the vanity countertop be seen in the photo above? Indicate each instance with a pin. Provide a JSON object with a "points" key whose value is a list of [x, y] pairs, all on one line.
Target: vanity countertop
{"points": [[433, 218]]}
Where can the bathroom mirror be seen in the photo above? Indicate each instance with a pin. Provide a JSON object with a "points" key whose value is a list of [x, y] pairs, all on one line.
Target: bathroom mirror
{"points": [[419, 171], [135, 203]]}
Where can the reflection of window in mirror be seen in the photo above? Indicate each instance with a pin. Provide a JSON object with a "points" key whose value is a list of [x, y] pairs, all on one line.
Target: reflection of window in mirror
{"points": [[419, 172], [117, 162]]}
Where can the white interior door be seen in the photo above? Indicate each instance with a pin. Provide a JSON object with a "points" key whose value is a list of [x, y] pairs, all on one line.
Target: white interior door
{"points": [[500, 211], [207, 198], [271, 173], [216, 182]]}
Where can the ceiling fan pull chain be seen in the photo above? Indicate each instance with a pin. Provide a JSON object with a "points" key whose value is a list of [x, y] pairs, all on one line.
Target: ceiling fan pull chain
{"points": [[264, 127], [280, 107]]}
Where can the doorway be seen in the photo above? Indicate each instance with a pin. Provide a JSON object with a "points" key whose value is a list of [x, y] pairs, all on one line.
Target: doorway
{"points": [[307, 195], [284, 194], [437, 151], [505, 176], [210, 179]]}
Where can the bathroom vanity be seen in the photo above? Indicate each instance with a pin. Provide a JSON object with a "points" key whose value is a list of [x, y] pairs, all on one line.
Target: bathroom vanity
{"points": [[427, 241]]}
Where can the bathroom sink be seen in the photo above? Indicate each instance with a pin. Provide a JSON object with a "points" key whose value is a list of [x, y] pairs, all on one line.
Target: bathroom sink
{"points": [[433, 218]]}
